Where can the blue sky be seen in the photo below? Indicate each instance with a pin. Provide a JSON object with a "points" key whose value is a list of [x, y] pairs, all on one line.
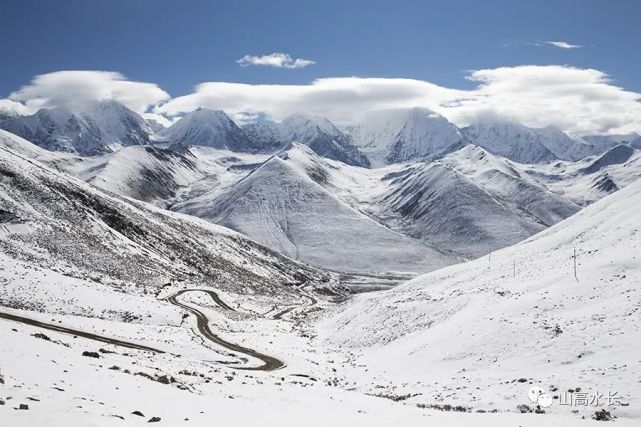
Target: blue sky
{"points": [[177, 45]]}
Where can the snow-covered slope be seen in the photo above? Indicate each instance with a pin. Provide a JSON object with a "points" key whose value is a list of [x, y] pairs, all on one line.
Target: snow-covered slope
{"points": [[511, 140], [153, 173], [590, 179], [51, 219], [85, 128], [435, 203], [508, 183], [290, 211], [264, 136], [566, 147], [207, 128], [322, 137], [468, 201], [527, 145], [615, 156], [420, 200], [469, 331], [609, 141], [149, 173], [395, 136]]}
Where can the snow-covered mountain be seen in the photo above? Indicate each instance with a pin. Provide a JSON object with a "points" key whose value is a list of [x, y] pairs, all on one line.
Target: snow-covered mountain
{"points": [[510, 140], [464, 335], [527, 145], [566, 147], [155, 126], [85, 128], [614, 156], [291, 212], [609, 141], [207, 128], [429, 201], [322, 137], [588, 180], [215, 129], [265, 136], [469, 202], [53, 220], [148, 173], [395, 136]]}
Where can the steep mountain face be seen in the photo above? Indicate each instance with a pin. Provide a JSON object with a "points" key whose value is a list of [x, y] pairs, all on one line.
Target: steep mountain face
{"points": [[469, 202], [155, 126], [636, 143], [264, 136], [527, 145], [149, 173], [614, 156], [402, 135], [55, 221], [87, 128], [510, 184], [609, 141], [510, 140], [292, 213], [565, 147], [207, 128], [323, 138], [588, 180], [436, 204]]}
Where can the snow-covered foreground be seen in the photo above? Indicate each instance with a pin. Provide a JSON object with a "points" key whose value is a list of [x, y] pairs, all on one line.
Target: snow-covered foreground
{"points": [[481, 334], [194, 382]]}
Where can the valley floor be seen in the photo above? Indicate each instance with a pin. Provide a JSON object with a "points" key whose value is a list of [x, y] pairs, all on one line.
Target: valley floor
{"points": [[196, 382]]}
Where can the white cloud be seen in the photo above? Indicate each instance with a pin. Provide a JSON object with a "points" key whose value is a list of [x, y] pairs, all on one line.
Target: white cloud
{"points": [[276, 59], [581, 101], [166, 122], [12, 108], [576, 100], [563, 45], [343, 100], [52, 89]]}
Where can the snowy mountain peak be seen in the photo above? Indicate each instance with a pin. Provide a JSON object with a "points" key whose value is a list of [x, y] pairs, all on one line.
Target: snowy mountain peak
{"points": [[207, 128], [301, 126], [395, 136], [511, 140], [529, 145], [264, 136], [324, 139], [86, 128]]}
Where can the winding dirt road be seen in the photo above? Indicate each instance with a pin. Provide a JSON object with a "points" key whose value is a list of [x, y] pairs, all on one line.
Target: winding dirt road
{"points": [[269, 363], [76, 332], [280, 314]]}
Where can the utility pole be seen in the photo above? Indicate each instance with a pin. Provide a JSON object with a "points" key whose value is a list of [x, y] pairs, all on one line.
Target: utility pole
{"points": [[575, 275], [515, 269]]}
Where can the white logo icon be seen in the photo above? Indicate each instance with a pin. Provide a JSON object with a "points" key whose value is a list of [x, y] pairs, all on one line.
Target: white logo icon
{"points": [[539, 396]]}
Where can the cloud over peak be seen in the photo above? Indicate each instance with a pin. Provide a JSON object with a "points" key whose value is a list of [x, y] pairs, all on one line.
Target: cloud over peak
{"points": [[576, 100], [53, 89], [276, 59]]}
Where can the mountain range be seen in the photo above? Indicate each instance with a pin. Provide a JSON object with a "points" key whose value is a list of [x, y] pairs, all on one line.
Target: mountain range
{"points": [[406, 179], [223, 271]]}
